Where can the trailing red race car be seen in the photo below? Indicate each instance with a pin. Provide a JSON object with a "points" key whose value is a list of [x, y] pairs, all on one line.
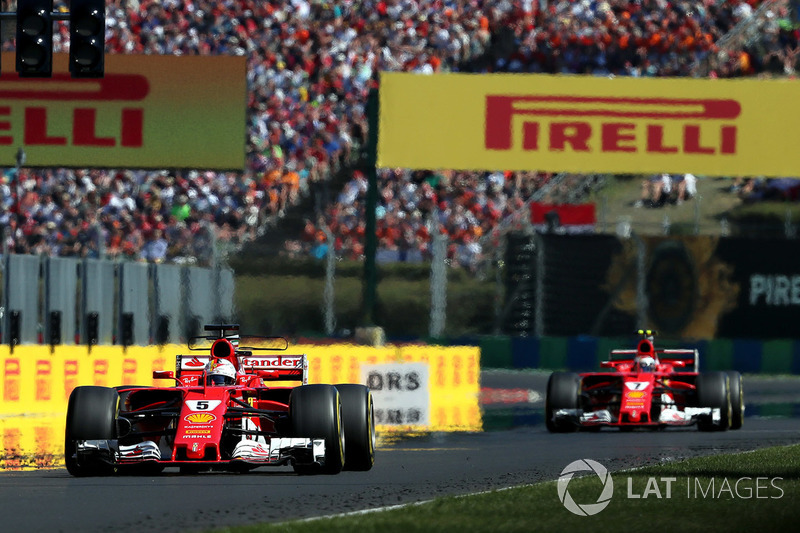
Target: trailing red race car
{"points": [[645, 387], [220, 415]]}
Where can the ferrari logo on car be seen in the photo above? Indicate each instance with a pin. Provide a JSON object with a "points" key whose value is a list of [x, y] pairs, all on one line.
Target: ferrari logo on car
{"points": [[200, 418]]}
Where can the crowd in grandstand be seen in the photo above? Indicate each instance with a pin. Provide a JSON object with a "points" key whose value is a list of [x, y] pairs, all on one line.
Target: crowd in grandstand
{"points": [[310, 66]]}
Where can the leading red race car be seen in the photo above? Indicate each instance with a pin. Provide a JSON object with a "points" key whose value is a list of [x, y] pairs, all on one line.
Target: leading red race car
{"points": [[220, 415], [645, 387]]}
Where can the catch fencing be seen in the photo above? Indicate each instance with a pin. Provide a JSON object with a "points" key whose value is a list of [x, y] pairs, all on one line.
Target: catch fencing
{"points": [[64, 300]]}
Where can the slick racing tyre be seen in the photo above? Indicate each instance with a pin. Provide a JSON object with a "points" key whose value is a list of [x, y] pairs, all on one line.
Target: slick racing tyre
{"points": [[737, 399], [315, 411], [91, 415], [358, 418], [713, 391], [563, 390]]}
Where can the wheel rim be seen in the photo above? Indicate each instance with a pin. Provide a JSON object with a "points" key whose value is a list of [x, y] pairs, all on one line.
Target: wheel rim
{"points": [[339, 427], [371, 422]]}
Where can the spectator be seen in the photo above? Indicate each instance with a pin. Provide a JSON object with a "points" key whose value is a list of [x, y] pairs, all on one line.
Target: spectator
{"points": [[310, 67], [655, 191], [155, 249], [686, 186]]}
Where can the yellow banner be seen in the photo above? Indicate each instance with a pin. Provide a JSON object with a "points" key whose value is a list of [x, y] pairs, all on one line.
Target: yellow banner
{"points": [[147, 112], [35, 384], [454, 376], [587, 124]]}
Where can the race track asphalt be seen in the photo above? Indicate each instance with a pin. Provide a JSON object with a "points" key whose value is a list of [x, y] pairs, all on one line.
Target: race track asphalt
{"points": [[406, 470]]}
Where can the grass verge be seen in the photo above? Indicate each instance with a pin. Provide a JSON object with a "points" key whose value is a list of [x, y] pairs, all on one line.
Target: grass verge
{"points": [[754, 491]]}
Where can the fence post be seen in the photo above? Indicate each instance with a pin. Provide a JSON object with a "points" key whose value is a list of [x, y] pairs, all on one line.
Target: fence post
{"points": [[438, 280], [500, 266], [328, 294], [697, 201], [641, 280], [538, 322]]}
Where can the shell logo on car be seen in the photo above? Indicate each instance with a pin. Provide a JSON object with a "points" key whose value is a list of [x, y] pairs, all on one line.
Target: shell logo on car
{"points": [[200, 418]]}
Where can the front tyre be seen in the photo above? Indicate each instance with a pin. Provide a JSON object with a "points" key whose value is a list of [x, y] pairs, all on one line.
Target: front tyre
{"points": [[563, 391], [315, 411], [737, 399], [91, 415], [713, 392], [358, 418]]}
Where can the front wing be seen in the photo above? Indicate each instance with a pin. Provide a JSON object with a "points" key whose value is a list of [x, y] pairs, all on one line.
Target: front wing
{"points": [[250, 453], [668, 416]]}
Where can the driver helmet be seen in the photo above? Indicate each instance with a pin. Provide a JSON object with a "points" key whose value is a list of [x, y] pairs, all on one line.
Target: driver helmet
{"points": [[646, 364], [220, 372]]}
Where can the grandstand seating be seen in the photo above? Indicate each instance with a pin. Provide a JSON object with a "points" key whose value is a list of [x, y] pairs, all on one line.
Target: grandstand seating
{"points": [[310, 67]]}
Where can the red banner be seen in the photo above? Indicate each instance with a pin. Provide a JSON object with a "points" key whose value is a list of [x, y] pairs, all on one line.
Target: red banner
{"points": [[568, 214]]}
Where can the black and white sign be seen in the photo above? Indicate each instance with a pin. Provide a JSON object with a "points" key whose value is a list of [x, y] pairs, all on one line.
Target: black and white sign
{"points": [[400, 391]]}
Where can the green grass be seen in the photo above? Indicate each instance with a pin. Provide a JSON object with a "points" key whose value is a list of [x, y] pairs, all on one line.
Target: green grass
{"points": [[537, 507], [705, 213], [616, 201]]}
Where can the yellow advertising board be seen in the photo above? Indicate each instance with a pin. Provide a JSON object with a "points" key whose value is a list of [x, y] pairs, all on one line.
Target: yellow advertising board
{"points": [[147, 112], [586, 124], [35, 384]]}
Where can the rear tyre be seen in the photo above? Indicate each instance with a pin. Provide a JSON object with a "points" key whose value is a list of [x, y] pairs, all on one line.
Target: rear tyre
{"points": [[315, 411], [737, 399], [358, 419], [91, 415], [563, 391], [713, 391]]}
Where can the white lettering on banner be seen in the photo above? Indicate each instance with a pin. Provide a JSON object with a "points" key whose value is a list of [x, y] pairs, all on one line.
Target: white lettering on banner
{"points": [[400, 392], [774, 289]]}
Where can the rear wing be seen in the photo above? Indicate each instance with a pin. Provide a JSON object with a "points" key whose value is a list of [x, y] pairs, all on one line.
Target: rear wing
{"points": [[276, 367], [689, 357], [685, 358]]}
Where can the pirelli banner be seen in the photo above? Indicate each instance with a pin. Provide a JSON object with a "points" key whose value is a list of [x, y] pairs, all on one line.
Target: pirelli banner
{"points": [[589, 124], [147, 112]]}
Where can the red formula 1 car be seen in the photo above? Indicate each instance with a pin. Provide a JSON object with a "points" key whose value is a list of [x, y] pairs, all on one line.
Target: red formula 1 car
{"points": [[645, 387], [220, 415]]}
